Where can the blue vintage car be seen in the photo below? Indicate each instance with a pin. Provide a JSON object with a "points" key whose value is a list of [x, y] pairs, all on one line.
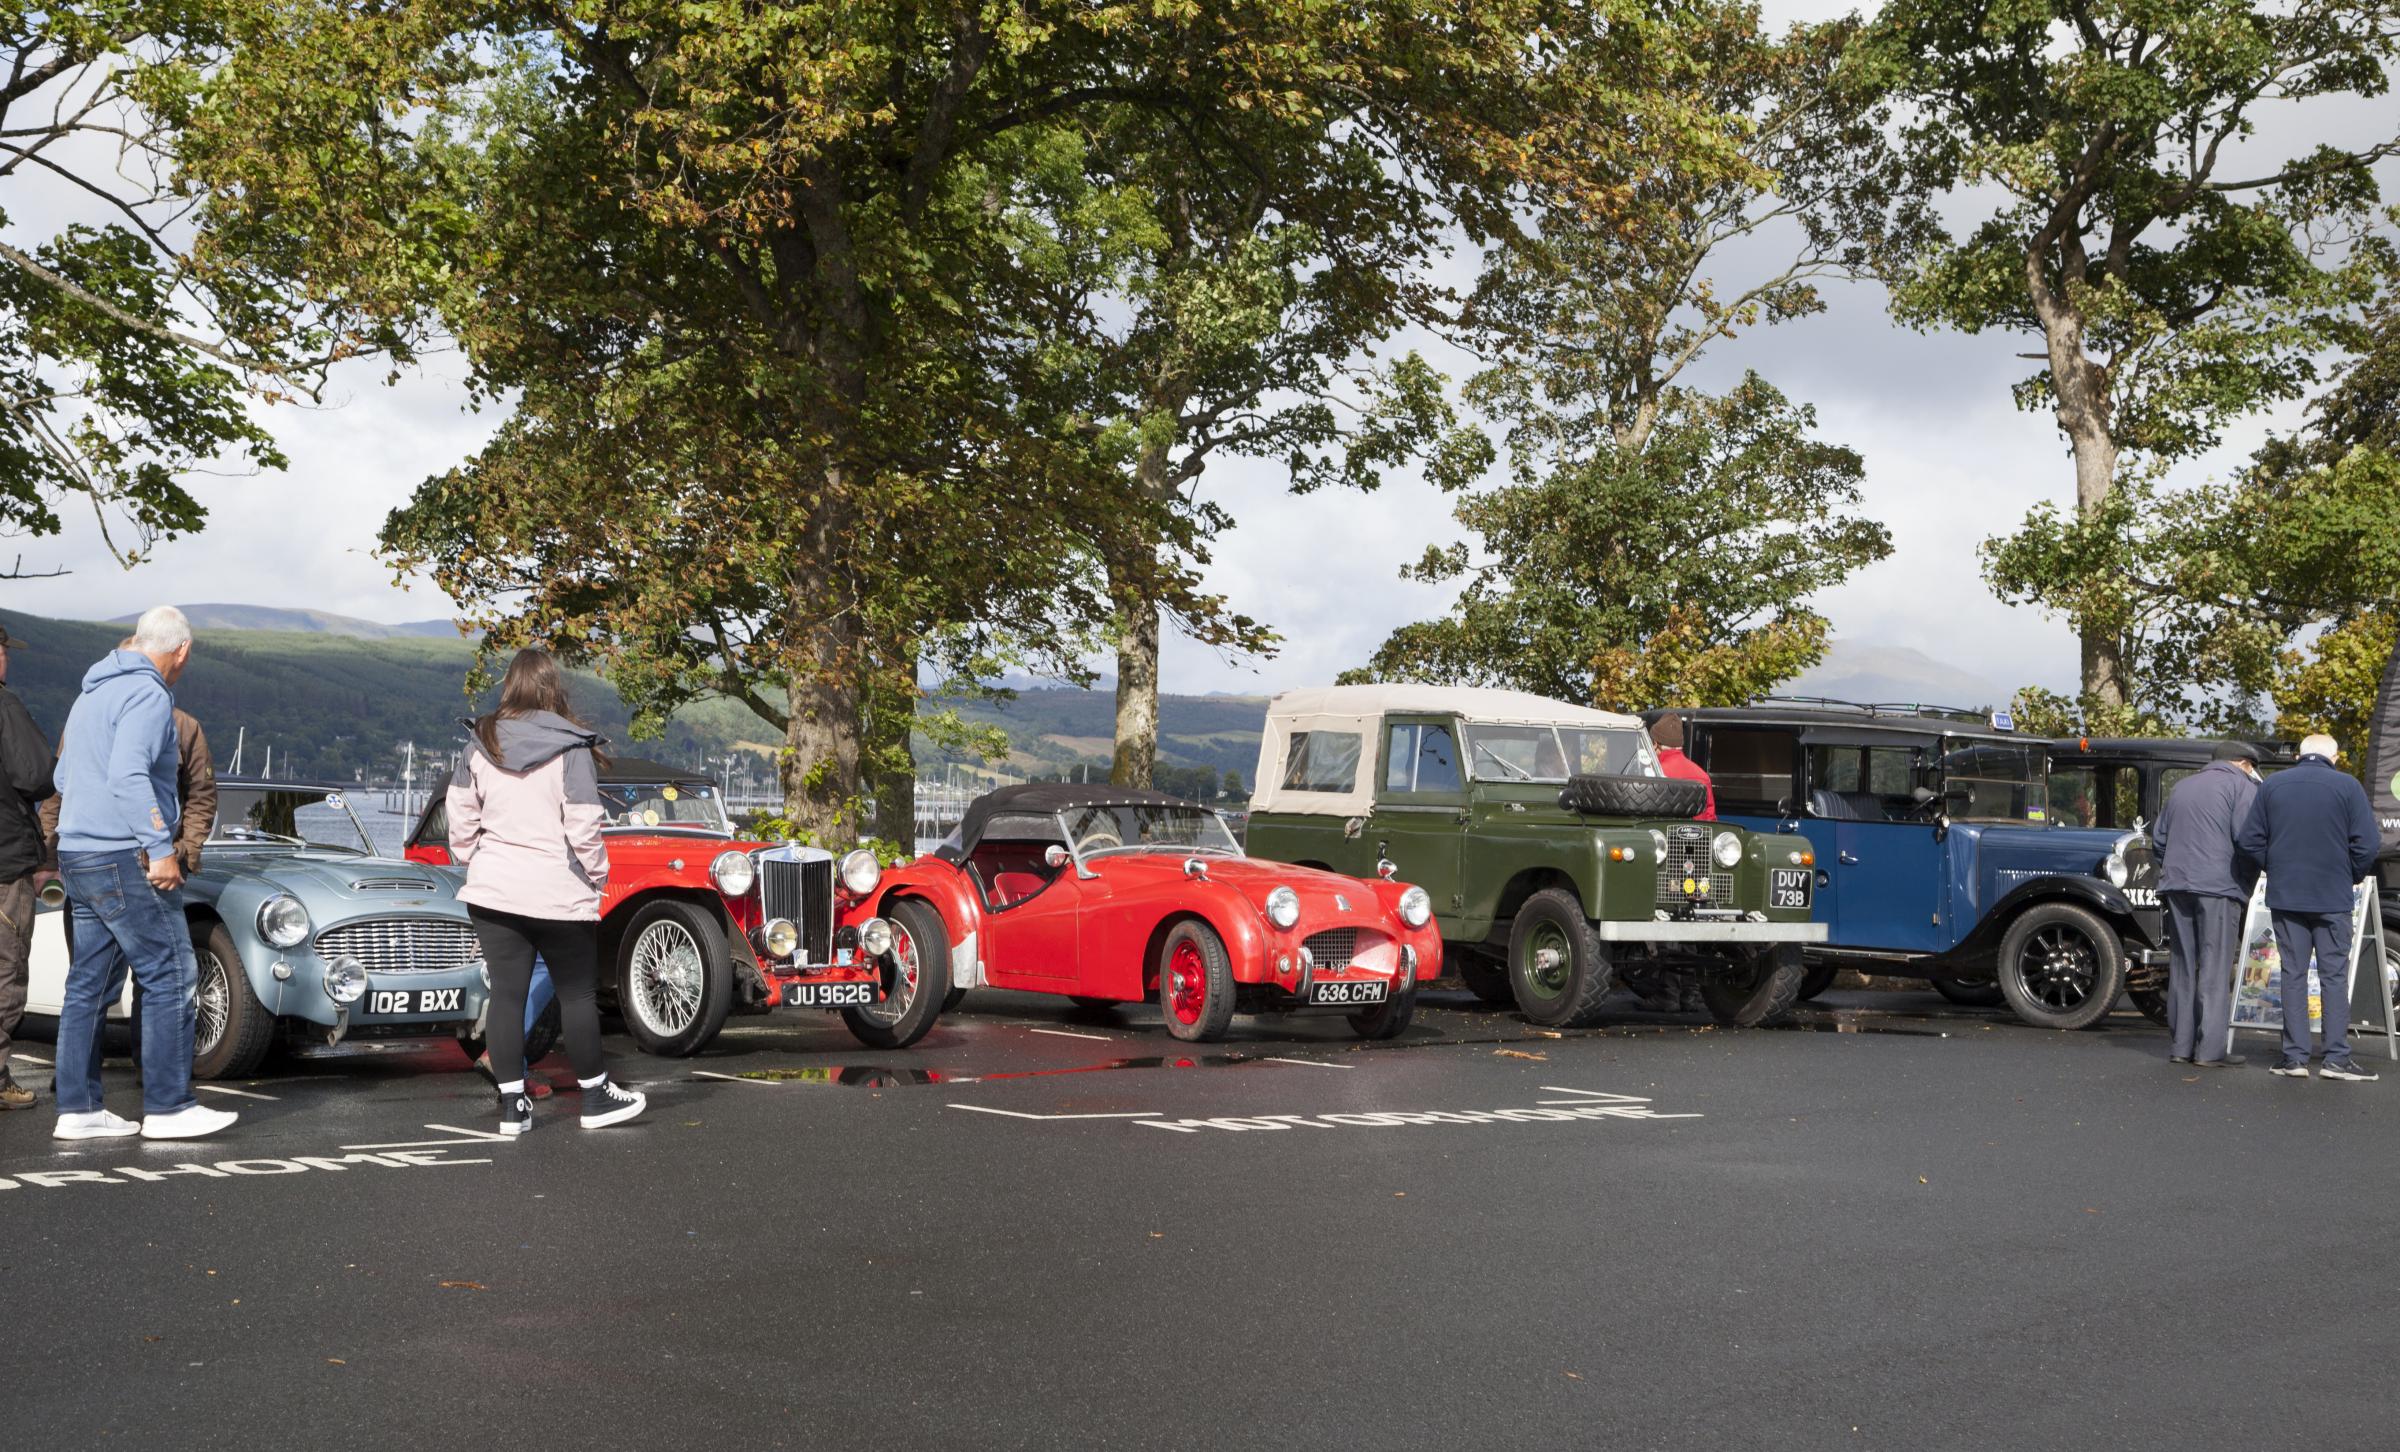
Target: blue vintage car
{"points": [[1938, 856], [305, 936]]}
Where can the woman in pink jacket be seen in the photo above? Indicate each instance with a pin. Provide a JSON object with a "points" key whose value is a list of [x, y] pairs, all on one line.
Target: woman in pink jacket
{"points": [[525, 820]]}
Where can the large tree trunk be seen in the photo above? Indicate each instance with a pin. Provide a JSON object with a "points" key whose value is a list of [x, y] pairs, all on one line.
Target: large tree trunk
{"points": [[819, 772], [891, 715], [1137, 678], [2081, 387]]}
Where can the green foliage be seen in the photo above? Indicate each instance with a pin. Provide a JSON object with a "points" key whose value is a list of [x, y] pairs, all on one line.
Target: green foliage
{"points": [[2042, 712], [2169, 297]]}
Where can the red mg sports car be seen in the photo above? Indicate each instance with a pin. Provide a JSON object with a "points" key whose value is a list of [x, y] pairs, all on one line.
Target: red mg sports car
{"points": [[1113, 895], [697, 925]]}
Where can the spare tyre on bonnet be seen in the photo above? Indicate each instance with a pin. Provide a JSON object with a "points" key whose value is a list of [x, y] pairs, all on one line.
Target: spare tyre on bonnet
{"points": [[1561, 862]]}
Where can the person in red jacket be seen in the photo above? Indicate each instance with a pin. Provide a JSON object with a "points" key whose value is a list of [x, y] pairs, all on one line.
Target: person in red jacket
{"points": [[1666, 733]]}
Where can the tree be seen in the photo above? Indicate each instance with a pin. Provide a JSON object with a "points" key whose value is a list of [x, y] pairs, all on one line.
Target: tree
{"points": [[1655, 543], [135, 336], [1232, 789], [2172, 287]]}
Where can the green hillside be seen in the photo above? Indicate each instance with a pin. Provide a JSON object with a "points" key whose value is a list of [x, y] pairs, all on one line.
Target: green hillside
{"points": [[334, 705]]}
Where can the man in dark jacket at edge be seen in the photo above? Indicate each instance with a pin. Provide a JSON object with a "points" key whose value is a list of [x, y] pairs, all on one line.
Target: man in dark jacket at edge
{"points": [[2206, 885], [24, 859], [2312, 831]]}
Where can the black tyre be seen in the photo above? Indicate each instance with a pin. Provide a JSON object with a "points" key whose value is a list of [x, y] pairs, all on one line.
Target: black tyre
{"points": [[1969, 991], [916, 979], [952, 999], [2061, 966], [1759, 990], [1633, 796], [2152, 1003], [1485, 977], [1558, 969], [674, 978], [1195, 982], [1387, 1019], [1818, 978], [233, 1030]]}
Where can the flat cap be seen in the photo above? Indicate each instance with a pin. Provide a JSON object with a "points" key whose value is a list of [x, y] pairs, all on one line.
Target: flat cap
{"points": [[2234, 751]]}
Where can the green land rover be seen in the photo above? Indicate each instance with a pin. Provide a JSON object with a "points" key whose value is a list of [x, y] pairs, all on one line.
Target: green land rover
{"points": [[1560, 861]]}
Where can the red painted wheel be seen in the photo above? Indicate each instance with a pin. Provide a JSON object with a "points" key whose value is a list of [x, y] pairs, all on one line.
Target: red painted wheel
{"points": [[1195, 982]]}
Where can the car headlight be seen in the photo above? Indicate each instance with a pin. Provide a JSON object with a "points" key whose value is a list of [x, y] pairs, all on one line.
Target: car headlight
{"points": [[1658, 843], [780, 937], [483, 971], [875, 935], [860, 871], [733, 873], [1728, 849], [282, 921], [1283, 907], [2117, 871], [1416, 908], [345, 980]]}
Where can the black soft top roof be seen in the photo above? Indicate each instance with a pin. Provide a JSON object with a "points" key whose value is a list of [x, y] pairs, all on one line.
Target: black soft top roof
{"points": [[1040, 798], [2162, 748], [1896, 720]]}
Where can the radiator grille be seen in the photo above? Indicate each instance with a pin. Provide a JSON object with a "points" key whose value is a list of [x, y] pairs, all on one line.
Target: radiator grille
{"points": [[1692, 860], [402, 945], [802, 892], [1333, 948]]}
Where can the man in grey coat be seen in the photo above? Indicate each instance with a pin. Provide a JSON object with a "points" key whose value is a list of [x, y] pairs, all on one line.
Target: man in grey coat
{"points": [[2206, 884]]}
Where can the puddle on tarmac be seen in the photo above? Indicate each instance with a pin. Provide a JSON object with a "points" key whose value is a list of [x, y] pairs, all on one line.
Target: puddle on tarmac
{"points": [[880, 1077]]}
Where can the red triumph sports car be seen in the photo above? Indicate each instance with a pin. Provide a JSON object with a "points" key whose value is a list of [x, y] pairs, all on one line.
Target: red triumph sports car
{"points": [[1114, 894], [696, 925]]}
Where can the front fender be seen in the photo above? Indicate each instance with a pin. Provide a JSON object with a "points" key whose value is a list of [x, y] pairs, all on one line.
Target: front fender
{"points": [[2089, 892], [947, 891]]}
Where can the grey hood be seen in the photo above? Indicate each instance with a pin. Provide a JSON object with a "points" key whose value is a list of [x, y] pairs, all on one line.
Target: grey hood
{"points": [[528, 741]]}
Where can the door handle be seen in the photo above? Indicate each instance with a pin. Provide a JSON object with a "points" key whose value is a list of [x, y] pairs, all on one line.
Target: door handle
{"points": [[1847, 859]]}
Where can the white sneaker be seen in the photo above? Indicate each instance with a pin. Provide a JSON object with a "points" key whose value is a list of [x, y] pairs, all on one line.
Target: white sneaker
{"points": [[94, 1124], [190, 1122], [609, 1102]]}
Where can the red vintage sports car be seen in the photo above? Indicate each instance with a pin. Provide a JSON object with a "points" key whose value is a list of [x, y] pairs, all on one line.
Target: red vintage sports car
{"points": [[699, 925], [1113, 894]]}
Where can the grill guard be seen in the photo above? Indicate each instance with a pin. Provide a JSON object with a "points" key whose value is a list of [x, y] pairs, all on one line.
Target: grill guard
{"points": [[402, 945], [1691, 858], [803, 893], [1332, 948]]}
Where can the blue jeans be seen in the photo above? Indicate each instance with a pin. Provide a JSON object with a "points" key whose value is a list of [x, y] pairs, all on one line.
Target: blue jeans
{"points": [[116, 923], [2327, 936]]}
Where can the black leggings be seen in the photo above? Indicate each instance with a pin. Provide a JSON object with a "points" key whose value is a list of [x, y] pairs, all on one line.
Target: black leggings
{"points": [[572, 949]]}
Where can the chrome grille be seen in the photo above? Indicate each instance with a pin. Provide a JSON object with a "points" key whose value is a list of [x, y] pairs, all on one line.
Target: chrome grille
{"points": [[391, 884], [1692, 860], [1333, 948], [402, 945], [802, 892]]}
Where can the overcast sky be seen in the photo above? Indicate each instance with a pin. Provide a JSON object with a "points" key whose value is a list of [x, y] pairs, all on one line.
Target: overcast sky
{"points": [[1950, 461]]}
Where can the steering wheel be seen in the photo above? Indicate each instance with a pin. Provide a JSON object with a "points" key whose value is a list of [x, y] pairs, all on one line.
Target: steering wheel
{"points": [[1101, 841]]}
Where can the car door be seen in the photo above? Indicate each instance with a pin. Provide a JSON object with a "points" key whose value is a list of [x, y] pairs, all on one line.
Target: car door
{"points": [[1036, 943], [1885, 862], [1421, 807]]}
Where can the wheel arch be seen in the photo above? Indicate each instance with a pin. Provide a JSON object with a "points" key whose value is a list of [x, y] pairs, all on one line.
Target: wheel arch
{"points": [[2094, 896], [1527, 882], [1157, 939], [613, 926]]}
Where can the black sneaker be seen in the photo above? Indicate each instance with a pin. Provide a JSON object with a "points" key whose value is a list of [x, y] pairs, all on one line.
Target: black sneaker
{"points": [[2179, 1058], [2290, 1071], [516, 1112], [2230, 1061], [608, 1102], [2348, 1073]]}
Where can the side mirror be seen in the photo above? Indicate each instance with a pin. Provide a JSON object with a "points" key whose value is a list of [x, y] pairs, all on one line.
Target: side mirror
{"points": [[1921, 795], [1056, 856], [1195, 867], [1783, 806], [1386, 868]]}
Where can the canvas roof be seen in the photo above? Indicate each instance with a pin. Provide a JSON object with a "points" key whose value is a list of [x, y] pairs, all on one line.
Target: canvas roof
{"points": [[1470, 703]]}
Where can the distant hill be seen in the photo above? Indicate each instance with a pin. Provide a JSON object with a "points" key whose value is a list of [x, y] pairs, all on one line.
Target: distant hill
{"points": [[311, 622], [1875, 674]]}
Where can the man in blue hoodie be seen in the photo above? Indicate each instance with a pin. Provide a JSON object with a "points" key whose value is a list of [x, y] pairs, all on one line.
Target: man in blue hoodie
{"points": [[2313, 831], [116, 857]]}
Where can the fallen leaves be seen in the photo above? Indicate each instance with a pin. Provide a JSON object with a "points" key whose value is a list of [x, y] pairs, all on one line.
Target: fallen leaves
{"points": [[1571, 1376], [335, 1361], [1923, 1181], [464, 1286], [1521, 1054]]}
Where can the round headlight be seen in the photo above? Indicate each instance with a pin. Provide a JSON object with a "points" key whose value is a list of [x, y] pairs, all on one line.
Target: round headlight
{"points": [[1283, 907], [780, 937], [1658, 843], [733, 873], [345, 980], [1728, 849], [860, 871], [875, 935], [1416, 909], [2118, 873], [282, 921], [483, 971]]}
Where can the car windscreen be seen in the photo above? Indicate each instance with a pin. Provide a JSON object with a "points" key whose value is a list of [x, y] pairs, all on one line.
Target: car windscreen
{"points": [[1094, 831], [288, 817], [1554, 753], [645, 806], [1996, 782]]}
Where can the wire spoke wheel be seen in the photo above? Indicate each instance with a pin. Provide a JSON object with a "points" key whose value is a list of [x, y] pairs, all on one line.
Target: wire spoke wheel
{"points": [[668, 972], [901, 980], [213, 1004]]}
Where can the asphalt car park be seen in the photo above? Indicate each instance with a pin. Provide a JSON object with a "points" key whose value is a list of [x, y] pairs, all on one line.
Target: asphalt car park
{"points": [[1897, 1223]]}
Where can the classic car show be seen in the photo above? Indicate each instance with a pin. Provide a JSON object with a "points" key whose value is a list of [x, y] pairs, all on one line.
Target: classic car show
{"points": [[1148, 726]]}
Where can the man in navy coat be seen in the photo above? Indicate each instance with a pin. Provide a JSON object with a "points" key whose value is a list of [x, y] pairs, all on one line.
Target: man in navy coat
{"points": [[2206, 884], [2313, 831]]}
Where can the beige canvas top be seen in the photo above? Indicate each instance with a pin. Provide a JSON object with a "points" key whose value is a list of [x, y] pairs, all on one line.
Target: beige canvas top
{"points": [[1352, 715]]}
